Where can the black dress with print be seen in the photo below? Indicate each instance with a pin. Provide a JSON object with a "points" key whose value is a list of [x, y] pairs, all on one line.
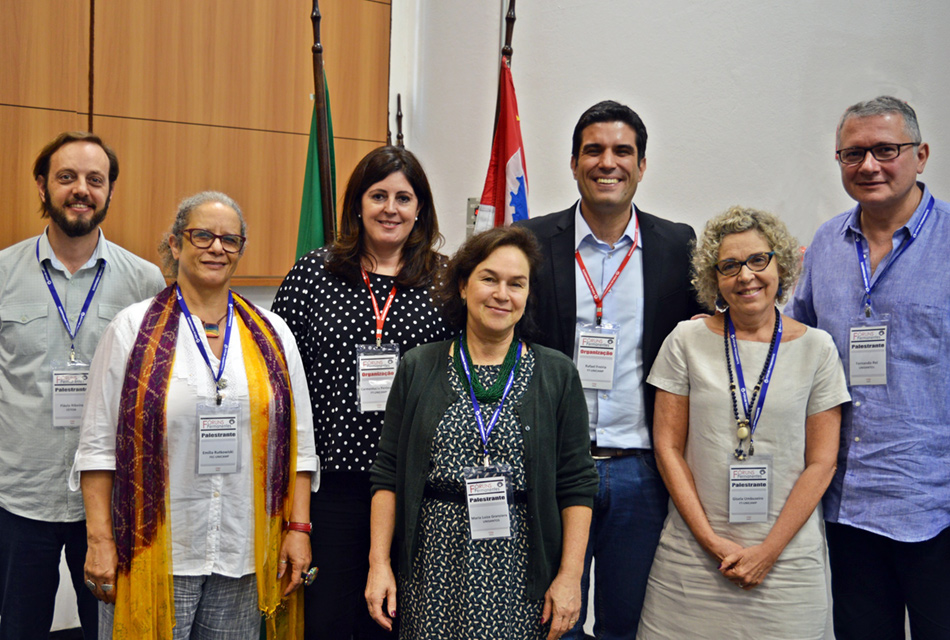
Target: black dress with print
{"points": [[462, 588], [329, 316]]}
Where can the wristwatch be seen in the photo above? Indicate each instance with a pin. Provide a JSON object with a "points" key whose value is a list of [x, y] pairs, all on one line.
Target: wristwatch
{"points": [[304, 527]]}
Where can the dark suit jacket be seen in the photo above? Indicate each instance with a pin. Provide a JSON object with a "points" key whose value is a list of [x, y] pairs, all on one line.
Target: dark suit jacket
{"points": [[668, 297]]}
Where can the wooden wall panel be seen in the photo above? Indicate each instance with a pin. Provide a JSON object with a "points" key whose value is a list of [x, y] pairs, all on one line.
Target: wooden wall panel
{"points": [[165, 162], [44, 50], [194, 95], [356, 39], [25, 131], [242, 64], [224, 62], [262, 170]]}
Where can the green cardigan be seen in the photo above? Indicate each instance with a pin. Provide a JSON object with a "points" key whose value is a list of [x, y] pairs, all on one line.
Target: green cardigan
{"points": [[554, 427]]}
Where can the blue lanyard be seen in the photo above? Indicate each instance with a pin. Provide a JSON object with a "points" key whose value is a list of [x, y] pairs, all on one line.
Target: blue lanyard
{"points": [[740, 380], [218, 383], [866, 269], [482, 430], [59, 304]]}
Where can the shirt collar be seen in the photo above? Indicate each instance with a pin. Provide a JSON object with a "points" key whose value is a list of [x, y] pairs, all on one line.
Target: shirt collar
{"points": [[853, 221], [583, 233], [46, 252]]}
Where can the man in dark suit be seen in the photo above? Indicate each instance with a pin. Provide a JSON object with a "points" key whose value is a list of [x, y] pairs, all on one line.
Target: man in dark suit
{"points": [[615, 282]]}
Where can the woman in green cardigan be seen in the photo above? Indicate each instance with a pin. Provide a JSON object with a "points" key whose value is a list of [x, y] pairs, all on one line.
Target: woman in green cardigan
{"points": [[483, 484]]}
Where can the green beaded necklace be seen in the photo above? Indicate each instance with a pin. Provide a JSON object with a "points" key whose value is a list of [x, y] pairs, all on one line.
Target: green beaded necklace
{"points": [[494, 392]]}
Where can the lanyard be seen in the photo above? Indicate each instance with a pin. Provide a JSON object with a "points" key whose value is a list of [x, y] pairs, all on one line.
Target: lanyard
{"points": [[380, 318], [740, 380], [599, 298], [218, 382], [863, 262], [482, 430], [59, 303]]}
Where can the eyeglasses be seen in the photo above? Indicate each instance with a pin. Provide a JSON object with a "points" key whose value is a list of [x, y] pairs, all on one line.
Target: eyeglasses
{"points": [[755, 262], [203, 239], [881, 152]]}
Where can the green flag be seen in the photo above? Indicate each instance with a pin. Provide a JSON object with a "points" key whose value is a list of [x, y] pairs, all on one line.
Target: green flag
{"points": [[310, 231]]}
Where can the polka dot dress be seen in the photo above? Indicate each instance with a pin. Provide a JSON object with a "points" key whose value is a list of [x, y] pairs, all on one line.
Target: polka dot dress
{"points": [[462, 588], [329, 316]]}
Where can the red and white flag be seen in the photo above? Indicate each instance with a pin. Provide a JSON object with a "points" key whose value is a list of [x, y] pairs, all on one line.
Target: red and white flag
{"points": [[505, 197]]}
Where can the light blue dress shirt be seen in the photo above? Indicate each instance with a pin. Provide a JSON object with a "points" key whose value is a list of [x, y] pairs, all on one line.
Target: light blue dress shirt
{"points": [[617, 416], [35, 457], [893, 476]]}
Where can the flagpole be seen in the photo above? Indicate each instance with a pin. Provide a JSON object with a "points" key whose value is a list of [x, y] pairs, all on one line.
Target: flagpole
{"points": [[323, 135], [506, 50], [399, 137], [509, 27]]}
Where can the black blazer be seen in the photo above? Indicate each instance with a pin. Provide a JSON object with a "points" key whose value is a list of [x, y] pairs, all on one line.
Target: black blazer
{"points": [[668, 296]]}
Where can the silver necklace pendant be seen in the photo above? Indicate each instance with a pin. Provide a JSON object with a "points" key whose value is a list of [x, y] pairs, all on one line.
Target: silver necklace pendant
{"points": [[221, 384]]}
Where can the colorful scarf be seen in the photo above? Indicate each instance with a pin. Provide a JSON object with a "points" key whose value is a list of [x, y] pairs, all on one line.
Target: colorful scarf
{"points": [[144, 595]]}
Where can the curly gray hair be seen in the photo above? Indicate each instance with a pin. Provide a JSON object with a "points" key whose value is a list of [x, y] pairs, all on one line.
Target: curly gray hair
{"points": [[736, 220], [185, 207]]}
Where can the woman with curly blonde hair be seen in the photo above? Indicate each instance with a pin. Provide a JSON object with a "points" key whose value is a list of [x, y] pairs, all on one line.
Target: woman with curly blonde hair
{"points": [[748, 410]]}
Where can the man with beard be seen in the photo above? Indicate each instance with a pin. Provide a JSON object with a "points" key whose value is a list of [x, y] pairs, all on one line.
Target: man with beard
{"points": [[58, 292]]}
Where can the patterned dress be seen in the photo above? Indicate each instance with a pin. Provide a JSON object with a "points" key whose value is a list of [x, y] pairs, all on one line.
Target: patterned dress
{"points": [[461, 588]]}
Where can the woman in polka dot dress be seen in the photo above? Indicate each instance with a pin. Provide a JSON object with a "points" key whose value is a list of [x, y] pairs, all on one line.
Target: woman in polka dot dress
{"points": [[354, 309]]}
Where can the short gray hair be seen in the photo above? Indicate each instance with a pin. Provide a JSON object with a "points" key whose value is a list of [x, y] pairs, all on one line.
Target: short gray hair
{"points": [[736, 220], [879, 106], [185, 207]]}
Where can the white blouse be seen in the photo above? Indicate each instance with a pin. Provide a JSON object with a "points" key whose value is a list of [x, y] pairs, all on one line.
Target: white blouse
{"points": [[212, 524]]}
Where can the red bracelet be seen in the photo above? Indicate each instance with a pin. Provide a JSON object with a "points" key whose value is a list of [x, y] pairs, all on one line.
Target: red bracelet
{"points": [[304, 527]]}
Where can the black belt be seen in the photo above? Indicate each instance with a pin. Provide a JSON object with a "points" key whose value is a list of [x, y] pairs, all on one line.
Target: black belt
{"points": [[455, 496], [599, 453]]}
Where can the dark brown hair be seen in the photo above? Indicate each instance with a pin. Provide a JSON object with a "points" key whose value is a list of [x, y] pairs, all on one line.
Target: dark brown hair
{"points": [[420, 260], [41, 164], [475, 251]]}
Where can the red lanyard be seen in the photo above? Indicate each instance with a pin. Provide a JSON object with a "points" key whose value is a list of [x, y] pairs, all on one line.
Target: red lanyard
{"points": [[380, 319], [599, 299]]}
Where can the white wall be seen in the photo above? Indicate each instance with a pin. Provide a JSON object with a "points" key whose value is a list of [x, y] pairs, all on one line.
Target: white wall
{"points": [[740, 98]]}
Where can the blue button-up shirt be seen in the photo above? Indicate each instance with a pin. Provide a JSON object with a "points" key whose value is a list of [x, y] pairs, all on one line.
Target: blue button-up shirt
{"points": [[617, 416], [893, 474]]}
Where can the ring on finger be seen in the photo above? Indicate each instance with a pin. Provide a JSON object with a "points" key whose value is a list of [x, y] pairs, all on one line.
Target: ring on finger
{"points": [[91, 585], [308, 576], [107, 588]]}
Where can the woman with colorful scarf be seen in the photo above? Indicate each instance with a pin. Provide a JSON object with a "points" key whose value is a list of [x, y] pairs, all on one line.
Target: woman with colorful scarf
{"points": [[484, 478], [196, 452]]}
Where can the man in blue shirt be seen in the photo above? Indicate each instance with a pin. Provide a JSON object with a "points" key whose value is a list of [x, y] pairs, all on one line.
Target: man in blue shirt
{"points": [[614, 283], [876, 279], [58, 291]]}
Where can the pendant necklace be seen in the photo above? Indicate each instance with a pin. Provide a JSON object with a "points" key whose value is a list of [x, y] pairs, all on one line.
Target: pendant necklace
{"points": [[752, 407], [213, 329]]}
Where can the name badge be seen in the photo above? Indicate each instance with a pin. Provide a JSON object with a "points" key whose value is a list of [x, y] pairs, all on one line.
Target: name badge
{"points": [[219, 443], [376, 368], [69, 393], [487, 492], [595, 354], [867, 351], [750, 490]]}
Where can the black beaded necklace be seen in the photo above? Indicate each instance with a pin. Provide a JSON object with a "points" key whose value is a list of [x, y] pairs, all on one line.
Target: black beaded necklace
{"points": [[495, 391], [743, 428]]}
